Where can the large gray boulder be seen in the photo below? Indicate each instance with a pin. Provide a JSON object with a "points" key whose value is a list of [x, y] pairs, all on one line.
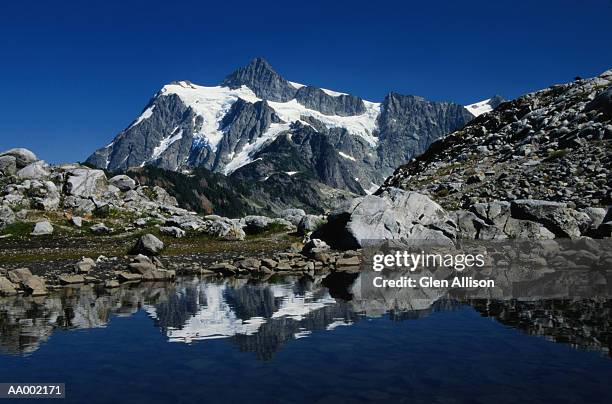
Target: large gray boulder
{"points": [[393, 215], [42, 228], [22, 156], [223, 228], [86, 183], [557, 217], [293, 215], [35, 171], [123, 182], [148, 245], [8, 165]]}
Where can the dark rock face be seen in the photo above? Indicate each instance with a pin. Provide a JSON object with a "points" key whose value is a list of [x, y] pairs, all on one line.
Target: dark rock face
{"points": [[263, 80], [244, 123], [137, 144], [342, 105], [409, 124]]}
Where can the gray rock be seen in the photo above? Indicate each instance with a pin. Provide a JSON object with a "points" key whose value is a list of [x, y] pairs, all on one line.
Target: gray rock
{"points": [[34, 286], [172, 231], [86, 183], [84, 266], [100, 228], [256, 224], [76, 221], [602, 103], [6, 216], [34, 171], [22, 156], [555, 216], [527, 230], [391, 216], [42, 228], [128, 277], [123, 182], [597, 216], [7, 288], [148, 245], [293, 215], [19, 275], [8, 165], [71, 279], [310, 223]]}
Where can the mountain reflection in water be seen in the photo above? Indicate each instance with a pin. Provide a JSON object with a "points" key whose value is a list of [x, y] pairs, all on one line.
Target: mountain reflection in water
{"points": [[261, 317]]}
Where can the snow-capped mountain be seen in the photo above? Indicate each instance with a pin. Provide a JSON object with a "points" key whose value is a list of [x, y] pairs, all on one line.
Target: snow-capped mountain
{"points": [[257, 125]]}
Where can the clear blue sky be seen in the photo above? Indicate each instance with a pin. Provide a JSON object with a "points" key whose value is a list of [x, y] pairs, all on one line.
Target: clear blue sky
{"points": [[74, 74]]}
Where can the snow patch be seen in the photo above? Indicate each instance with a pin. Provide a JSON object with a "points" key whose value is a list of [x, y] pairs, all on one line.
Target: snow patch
{"points": [[145, 115], [332, 93], [164, 144], [211, 103], [291, 173], [346, 156], [479, 108], [297, 86], [244, 157]]}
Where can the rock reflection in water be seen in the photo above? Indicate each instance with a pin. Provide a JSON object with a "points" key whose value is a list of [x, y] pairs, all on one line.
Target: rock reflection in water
{"points": [[261, 317]]}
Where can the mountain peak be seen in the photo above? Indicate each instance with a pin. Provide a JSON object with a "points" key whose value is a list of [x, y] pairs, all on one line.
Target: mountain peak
{"points": [[260, 77]]}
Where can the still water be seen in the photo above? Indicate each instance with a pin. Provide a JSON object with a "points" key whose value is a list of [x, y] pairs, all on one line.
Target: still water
{"points": [[294, 340]]}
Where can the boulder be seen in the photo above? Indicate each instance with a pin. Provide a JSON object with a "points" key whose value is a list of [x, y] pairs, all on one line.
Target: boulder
{"points": [[22, 156], [172, 231], [123, 182], [223, 228], [148, 245], [255, 224], [77, 221], [393, 215], [35, 171], [71, 279], [19, 275], [158, 275], [7, 288], [293, 215], [602, 103], [84, 266], [526, 229], [6, 216], [35, 286], [309, 223], [564, 222], [42, 228], [8, 165], [86, 183], [596, 216], [100, 228], [313, 246]]}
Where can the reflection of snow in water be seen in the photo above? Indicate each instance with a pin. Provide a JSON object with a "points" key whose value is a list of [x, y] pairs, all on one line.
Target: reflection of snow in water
{"points": [[217, 319]]}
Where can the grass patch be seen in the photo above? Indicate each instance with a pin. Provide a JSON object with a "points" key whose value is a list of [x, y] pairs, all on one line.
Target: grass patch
{"points": [[18, 229]]}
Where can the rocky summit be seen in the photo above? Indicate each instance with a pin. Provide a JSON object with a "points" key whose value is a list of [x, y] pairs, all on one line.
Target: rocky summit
{"points": [[552, 145], [259, 127]]}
